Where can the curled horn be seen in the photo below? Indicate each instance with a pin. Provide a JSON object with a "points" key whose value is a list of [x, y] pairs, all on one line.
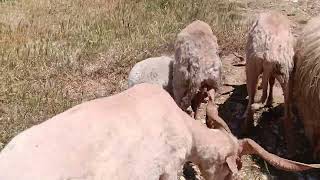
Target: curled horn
{"points": [[213, 116], [251, 147]]}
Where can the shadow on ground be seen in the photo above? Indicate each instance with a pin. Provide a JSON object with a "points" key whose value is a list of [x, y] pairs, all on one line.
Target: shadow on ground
{"points": [[268, 133]]}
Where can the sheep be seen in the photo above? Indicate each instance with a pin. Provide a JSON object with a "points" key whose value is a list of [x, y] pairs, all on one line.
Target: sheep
{"points": [[306, 90], [270, 51], [196, 68], [155, 70], [107, 138]]}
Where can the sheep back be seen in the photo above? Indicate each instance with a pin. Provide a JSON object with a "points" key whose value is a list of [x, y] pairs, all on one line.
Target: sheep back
{"points": [[270, 40], [306, 88], [155, 70], [196, 61]]}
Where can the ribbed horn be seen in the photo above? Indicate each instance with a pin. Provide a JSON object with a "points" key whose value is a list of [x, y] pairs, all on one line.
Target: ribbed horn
{"points": [[251, 147]]}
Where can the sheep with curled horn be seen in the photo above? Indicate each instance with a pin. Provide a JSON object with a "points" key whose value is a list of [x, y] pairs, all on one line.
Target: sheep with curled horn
{"points": [[139, 133], [306, 83]]}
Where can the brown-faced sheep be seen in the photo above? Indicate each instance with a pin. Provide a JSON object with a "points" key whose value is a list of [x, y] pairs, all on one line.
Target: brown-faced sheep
{"points": [[138, 134], [306, 84], [270, 51], [197, 66]]}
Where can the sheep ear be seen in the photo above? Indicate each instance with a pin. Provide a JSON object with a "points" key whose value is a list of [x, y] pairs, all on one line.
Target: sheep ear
{"points": [[232, 164]]}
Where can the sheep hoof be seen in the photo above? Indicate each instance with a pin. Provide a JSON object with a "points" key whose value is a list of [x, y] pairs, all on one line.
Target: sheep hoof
{"points": [[256, 106], [190, 112]]}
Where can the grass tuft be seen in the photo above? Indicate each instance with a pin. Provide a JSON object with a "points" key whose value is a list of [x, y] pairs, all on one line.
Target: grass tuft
{"points": [[54, 55]]}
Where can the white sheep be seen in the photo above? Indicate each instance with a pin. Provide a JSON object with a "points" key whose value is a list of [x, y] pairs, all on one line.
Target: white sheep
{"points": [[197, 66], [306, 83], [138, 134], [156, 70], [270, 51]]}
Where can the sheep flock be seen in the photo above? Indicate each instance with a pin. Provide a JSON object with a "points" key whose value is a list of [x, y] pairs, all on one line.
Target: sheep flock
{"points": [[168, 116]]}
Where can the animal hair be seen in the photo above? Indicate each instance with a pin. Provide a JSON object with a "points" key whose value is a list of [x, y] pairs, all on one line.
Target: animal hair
{"points": [[269, 51], [196, 64], [306, 88]]}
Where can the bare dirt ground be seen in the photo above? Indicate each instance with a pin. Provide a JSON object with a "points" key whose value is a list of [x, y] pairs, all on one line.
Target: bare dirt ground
{"points": [[268, 131], [106, 75]]}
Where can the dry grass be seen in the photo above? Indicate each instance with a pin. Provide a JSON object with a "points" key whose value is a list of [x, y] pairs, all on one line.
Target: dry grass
{"points": [[55, 54]]}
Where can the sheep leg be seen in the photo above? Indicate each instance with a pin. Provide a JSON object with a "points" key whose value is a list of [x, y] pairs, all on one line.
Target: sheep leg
{"points": [[178, 92], [287, 119], [179, 87], [197, 103], [197, 110], [181, 102], [265, 78], [186, 103], [252, 74], [260, 83], [288, 122], [270, 96]]}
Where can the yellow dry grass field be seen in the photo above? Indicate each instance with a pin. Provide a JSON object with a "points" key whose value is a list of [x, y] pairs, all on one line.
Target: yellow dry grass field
{"points": [[55, 54]]}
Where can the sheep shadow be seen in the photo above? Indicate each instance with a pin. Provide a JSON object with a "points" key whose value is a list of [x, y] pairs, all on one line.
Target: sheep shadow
{"points": [[233, 108], [269, 132]]}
